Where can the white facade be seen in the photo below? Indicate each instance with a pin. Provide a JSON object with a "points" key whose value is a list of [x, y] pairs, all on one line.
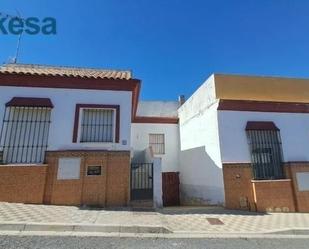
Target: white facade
{"points": [[63, 113], [200, 168], [294, 132], [140, 131], [209, 138], [157, 108], [140, 141]]}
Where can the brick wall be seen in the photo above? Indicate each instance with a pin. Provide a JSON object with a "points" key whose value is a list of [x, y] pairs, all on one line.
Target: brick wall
{"points": [[270, 195], [238, 187], [111, 188], [274, 195], [22, 184], [301, 197], [118, 180]]}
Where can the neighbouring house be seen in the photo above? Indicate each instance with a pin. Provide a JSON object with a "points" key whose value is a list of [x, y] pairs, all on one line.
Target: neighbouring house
{"points": [[244, 141], [78, 136]]}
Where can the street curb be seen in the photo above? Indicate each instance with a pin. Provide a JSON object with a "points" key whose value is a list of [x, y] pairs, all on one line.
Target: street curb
{"points": [[151, 235], [33, 227], [61, 229]]}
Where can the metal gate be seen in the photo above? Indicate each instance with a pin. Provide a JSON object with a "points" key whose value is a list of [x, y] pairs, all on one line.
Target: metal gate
{"points": [[141, 181]]}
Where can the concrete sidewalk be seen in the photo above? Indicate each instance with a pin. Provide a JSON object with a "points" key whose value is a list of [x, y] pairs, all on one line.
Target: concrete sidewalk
{"points": [[182, 220]]}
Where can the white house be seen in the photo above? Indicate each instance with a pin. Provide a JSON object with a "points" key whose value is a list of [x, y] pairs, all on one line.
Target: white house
{"points": [[244, 143]]}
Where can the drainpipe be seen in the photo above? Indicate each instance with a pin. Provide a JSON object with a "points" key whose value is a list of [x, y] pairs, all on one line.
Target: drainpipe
{"points": [[1, 157], [291, 175]]}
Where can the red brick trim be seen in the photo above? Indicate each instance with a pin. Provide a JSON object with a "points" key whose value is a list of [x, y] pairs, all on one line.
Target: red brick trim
{"points": [[260, 126], [155, 120], [30, 102], [296, 162], [44, 81], [77, 112], [262, 106]]}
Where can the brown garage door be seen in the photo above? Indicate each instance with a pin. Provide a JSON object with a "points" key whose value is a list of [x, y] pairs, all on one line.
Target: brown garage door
{"points": [[170, 187]]}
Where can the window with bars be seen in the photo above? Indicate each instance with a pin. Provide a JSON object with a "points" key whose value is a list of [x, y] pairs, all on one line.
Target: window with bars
{"points": [[97, 125], [266, 150], [24, 134], [157, 143]]}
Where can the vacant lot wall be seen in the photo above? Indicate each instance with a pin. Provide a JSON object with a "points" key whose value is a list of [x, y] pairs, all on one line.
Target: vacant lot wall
{"points": [[201, 179]]}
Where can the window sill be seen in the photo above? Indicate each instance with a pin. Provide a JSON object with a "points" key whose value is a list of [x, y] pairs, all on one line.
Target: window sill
{"points": [[97, 143], [71, 179], [24, 165]]}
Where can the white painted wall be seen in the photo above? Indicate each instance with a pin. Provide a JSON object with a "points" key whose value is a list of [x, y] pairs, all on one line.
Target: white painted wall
{"points": [[63, 113], [294, 130], [201, 179], [157, 183], [158, 108], [140, 141]]}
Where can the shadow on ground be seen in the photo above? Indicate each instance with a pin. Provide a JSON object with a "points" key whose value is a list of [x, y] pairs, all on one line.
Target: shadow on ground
{"points": [[180, 210]]}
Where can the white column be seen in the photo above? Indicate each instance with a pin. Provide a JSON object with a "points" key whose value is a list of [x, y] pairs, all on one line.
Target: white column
{"points": [[157, 183]]}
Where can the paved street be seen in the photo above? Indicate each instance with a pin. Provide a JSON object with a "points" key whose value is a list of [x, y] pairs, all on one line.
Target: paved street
{"points": [[18, 242], [184, 220]]}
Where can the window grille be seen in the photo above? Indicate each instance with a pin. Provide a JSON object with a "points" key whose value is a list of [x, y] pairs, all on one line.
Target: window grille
{"points": [[266, 154], [97, 125], [156, 142], [24, 134]]}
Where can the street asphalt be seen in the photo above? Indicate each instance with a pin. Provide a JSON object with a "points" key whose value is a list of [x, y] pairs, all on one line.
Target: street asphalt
{"points": [[62, 242]]}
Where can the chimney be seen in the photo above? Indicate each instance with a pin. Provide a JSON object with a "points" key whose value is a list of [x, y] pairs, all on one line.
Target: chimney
{"points": [[181, 100]]}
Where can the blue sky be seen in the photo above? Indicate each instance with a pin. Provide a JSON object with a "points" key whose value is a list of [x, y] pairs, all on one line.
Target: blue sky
{"points": [[171, 45]]}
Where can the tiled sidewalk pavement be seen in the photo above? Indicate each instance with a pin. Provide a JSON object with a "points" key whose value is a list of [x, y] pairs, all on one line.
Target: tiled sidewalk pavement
{"points": [[179, 220], [11, 212], [234, 221]]}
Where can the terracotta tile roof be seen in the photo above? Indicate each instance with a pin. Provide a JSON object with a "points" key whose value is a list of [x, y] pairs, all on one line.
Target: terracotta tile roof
{"points": [[32, 69]]}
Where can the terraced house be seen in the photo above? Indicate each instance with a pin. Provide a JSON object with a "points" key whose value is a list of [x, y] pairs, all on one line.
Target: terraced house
{"points": [[78, 136]]}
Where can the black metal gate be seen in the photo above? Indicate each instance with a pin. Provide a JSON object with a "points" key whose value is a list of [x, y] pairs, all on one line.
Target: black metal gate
{"points": [[141, 181]]}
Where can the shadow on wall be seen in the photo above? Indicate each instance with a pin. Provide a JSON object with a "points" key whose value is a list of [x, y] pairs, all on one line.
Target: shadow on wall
{"points": [[201, 179], [143, 156]]}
